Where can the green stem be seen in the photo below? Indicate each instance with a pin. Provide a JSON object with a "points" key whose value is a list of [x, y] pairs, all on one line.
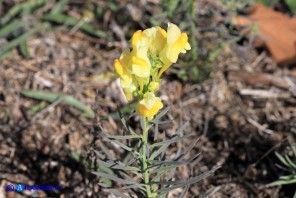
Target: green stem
{"points": [[145, 170]]}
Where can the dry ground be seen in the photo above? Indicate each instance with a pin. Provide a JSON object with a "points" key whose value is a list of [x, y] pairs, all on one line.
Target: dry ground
{"points": [[239, 127]]}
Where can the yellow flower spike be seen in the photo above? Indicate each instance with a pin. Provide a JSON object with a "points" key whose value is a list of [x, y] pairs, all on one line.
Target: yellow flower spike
{"points": [[149, 105]]}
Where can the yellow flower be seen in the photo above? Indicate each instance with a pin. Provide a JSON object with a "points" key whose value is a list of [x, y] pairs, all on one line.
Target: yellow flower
{"points": [[126, 80], [153, 51], [156, 39], [177, 43], [149, 105]]}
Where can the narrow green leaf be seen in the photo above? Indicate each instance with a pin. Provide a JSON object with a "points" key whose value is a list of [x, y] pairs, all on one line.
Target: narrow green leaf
{"points": [[29, 6], [70, 21], [58, 8], [287, 177], [294, 150], [282, 159], [36, 108], [289, 161], [184, 191], [187, 150], [10, 28], [189, 182], [283, 182], [17, 41], [156, 132], [159, 151], [161, 114], [66, 99], [124, 146], [122, 137], [135, 186], [173, 140], [106, 151], [114, 178], [24, 49], [117, 166]]}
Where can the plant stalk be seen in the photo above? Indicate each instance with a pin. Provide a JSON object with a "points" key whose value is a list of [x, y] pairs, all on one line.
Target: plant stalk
{"points": [[145, 171]]}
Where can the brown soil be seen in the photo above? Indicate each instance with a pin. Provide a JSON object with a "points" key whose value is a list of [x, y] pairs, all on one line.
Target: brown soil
{"points": [[242, 114]]}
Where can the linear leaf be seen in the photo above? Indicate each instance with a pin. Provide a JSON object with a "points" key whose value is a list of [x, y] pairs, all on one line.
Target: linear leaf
{"points": [[178, 163], [15, 42], [10, 28], [156, 131], [161, 114], [171, 165], [106, 151], [135, 186], [292, 165], [70, 21], [189, 182], [114, 178], [287, 177], [187, 150], [17, 8], [173, 140], [121, 166], [184, 191], [24, 49], [283, 182], [59, 6], [66, 99], [159, 151], [282, 159], [122, 145], [294, 150], [122, 137]]}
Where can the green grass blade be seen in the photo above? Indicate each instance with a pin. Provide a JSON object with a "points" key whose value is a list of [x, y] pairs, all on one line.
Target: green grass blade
{"points": [[17, 41], [10, 28], [28, 6], [58, 8], [70, 21], [282, 159], [283, 182], [66, 99], [24, 49], [36, 108]]}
